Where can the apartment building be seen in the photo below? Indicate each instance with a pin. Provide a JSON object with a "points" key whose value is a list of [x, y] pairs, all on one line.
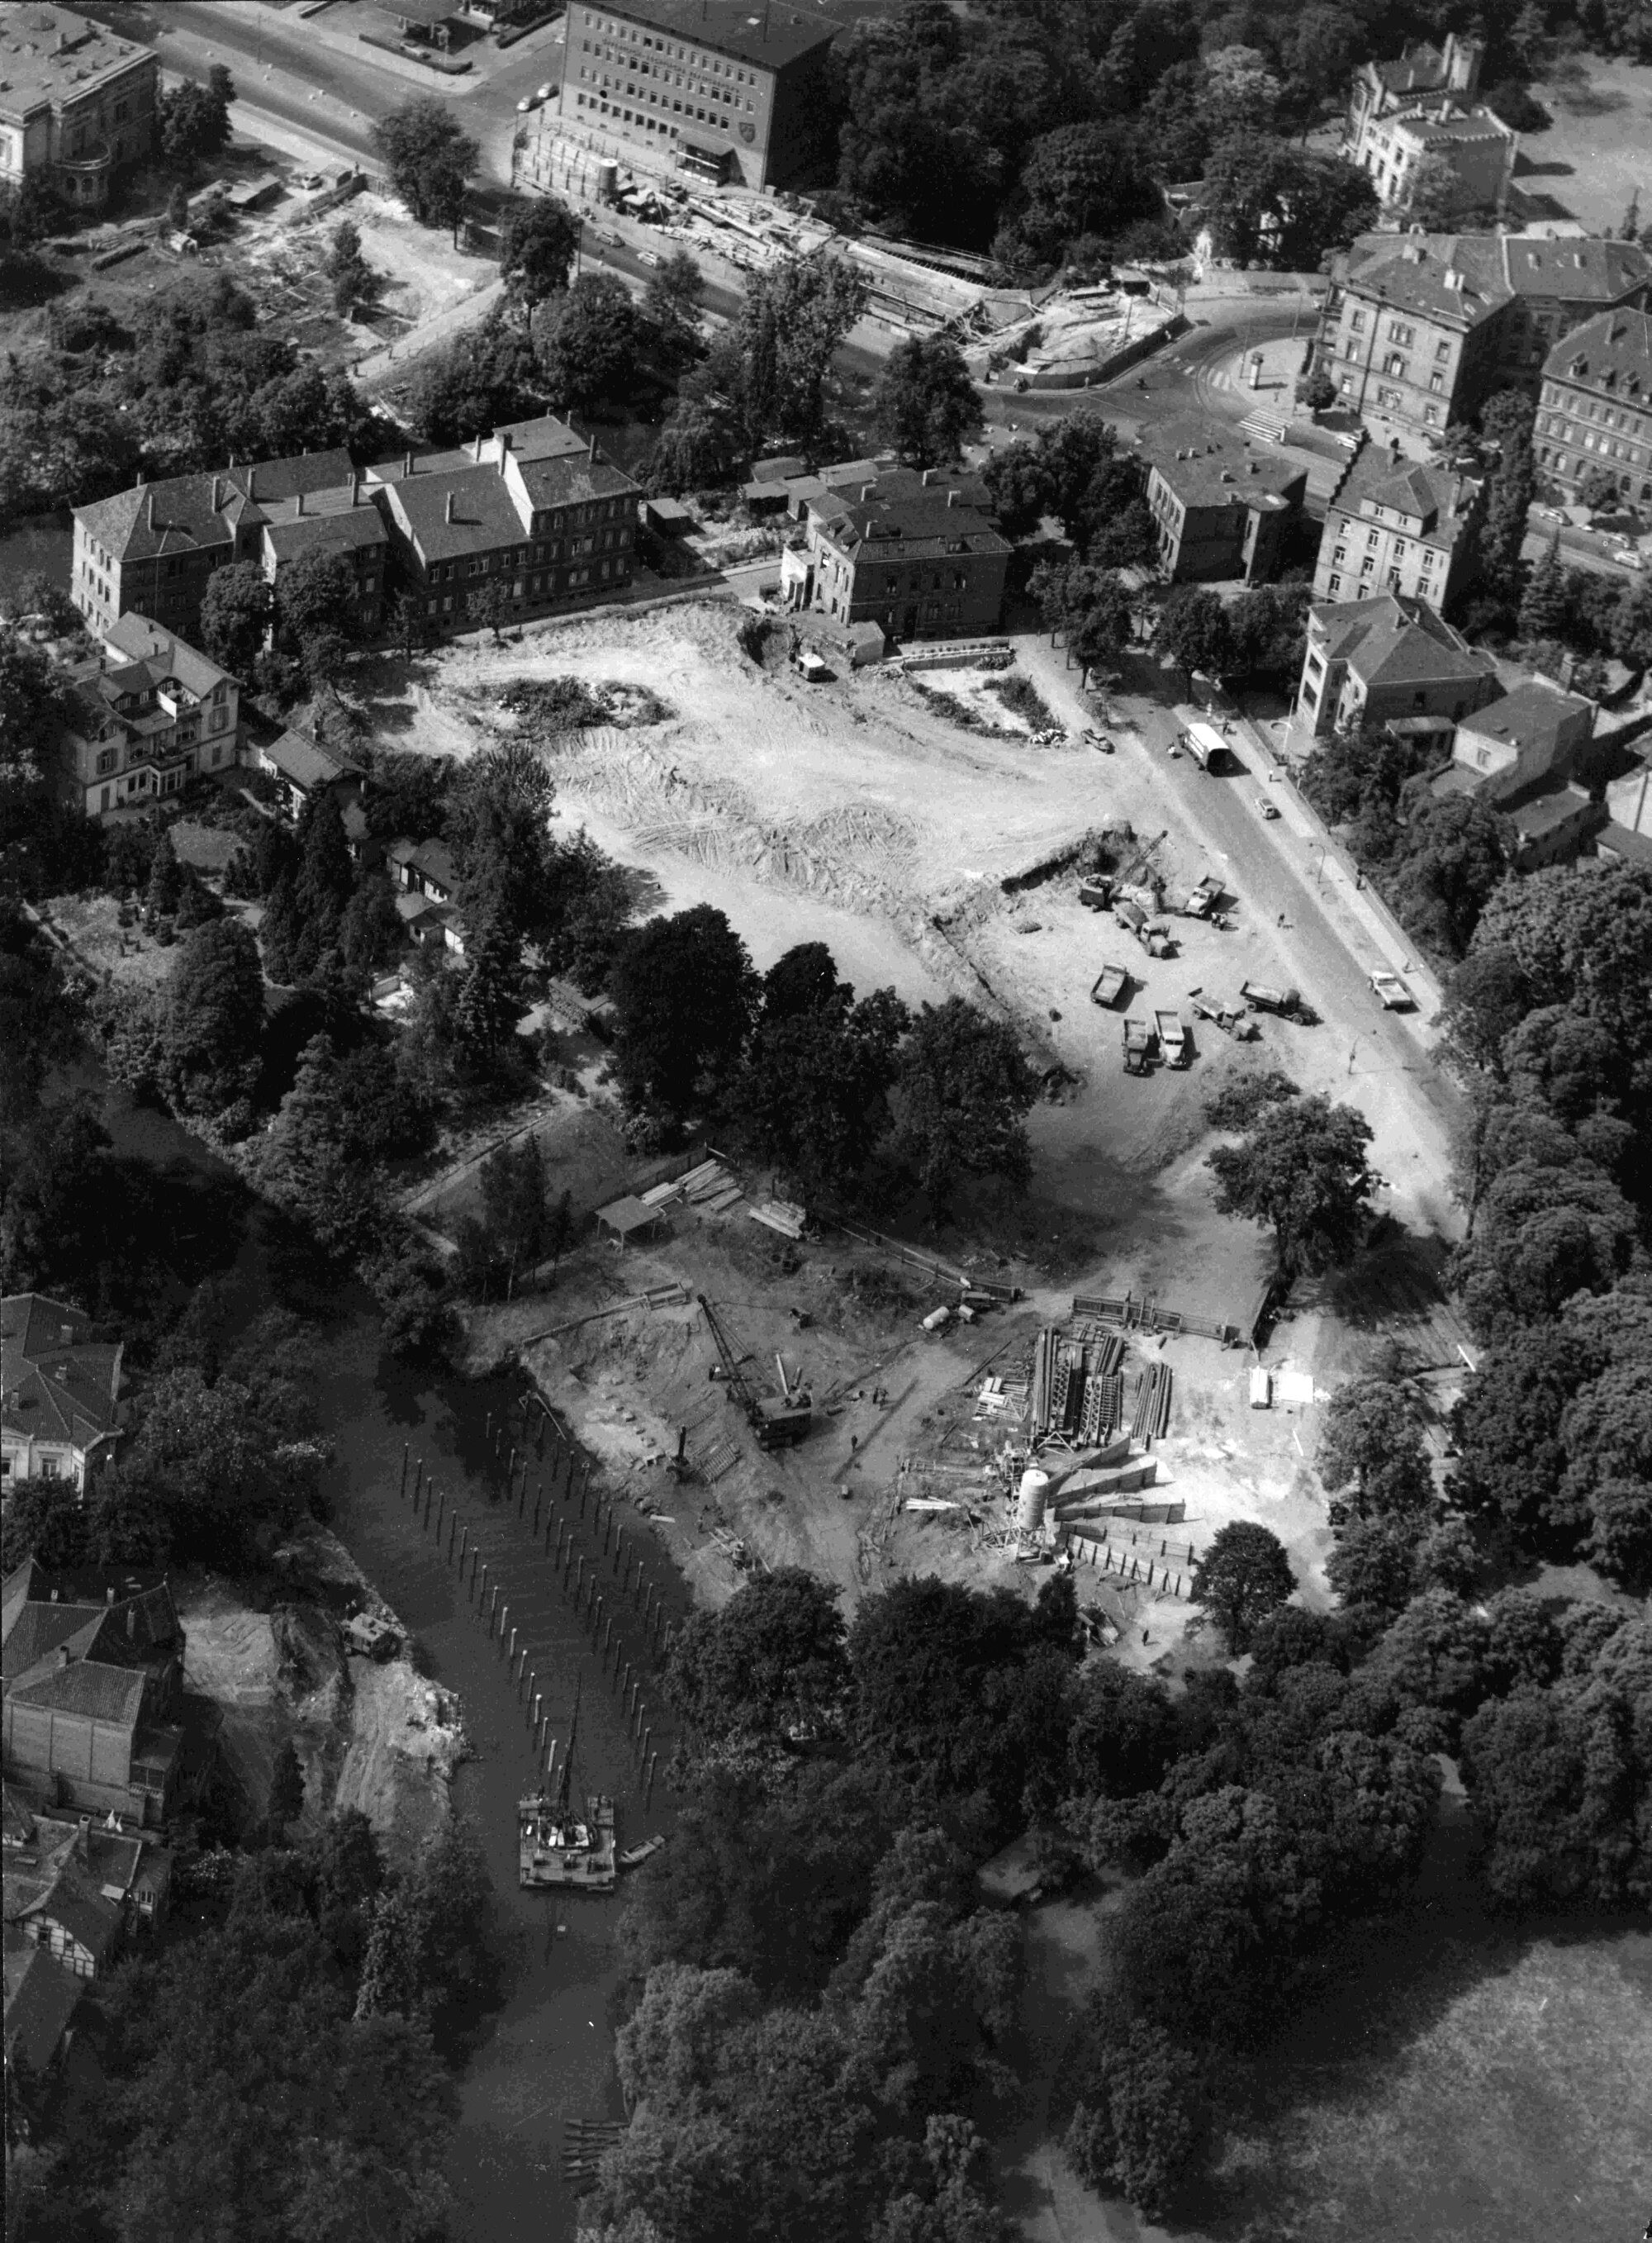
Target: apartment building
{"points": [[1418, 329], [1396, 526], [59, 1393], [908, 553], [534, 510], [147, 715], [152, 548], [77, 102], [722, 89], [1533, 756], [1594, 410], [1402, 114], [1222, 507], [1389, 660]]}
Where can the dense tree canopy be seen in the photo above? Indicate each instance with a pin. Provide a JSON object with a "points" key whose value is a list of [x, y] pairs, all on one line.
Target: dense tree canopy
{"points": [[1300, 1168]]}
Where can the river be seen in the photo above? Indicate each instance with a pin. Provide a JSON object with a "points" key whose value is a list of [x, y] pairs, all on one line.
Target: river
{"points": [[547, 2056]]}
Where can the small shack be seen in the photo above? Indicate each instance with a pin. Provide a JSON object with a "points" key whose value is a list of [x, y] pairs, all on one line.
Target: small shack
{"points": [[668, 517], [626, 1219], [867, 644]]}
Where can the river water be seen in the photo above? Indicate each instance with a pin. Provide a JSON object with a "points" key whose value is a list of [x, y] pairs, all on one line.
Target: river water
{"points": [[545, 2056]]}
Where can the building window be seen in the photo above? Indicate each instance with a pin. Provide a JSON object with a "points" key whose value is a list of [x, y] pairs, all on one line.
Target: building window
{"points": [[1336, 583], [1442, 351]]}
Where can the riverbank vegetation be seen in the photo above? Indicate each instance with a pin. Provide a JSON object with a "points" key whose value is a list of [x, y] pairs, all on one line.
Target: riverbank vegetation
{"points": [[814, 1941]]}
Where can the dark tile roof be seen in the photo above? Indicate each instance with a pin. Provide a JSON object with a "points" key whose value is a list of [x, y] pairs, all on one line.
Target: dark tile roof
{"points": [[306, 763], [923, 529], [41, 1996], [54, 1388], [50, 54], [102, 1693], [484, 514], [156, 653], [746, 29], [575, 481], [289, 532], [1410, 488], [1614, 346], [1392, 641], [42, 1613], [1205, 469], [1532, 716], [194, 513]]}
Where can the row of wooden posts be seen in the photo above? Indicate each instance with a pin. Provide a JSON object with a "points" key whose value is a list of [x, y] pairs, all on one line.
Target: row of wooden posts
{"points": [[579, 1577]]}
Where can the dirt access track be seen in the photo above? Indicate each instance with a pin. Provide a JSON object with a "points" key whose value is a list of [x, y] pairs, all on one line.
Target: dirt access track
{"points": [[938, 861]]}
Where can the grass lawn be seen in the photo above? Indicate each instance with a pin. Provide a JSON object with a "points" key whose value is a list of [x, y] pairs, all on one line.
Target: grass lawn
{"points": [[1598, 151], [1518, 2113]]}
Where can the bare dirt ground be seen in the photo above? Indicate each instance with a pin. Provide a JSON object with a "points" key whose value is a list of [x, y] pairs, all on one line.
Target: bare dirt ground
{"points": [[380, 1738]]}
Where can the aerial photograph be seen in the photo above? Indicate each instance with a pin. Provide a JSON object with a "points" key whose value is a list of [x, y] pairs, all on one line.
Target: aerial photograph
{"points": [[826, 1120]]}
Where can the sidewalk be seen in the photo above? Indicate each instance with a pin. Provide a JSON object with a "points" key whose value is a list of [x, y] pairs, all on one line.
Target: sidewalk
{"points": [[441, 327]]}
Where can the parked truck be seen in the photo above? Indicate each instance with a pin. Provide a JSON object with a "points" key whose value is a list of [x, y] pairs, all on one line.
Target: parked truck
{"points": [[1205, 746], [1096, 892], [1110, 986], [1287, 1003], [1173, 1038], [1201, 901], [1233, 1020], [1138, 1046]]}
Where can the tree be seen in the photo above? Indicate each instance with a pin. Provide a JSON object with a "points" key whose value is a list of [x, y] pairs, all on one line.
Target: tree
{"points": [[1283, 207], [1085, 179], [214, 1015], [683, 992], [165, 880], [1300, 1168], [194, 122], [927, 405], [1140, 2113], [1543, 608], [1019, 484], [1506, 421], [771, 1660], [1372, 1453], [695, 450], [286, 1788], [32, 708], [428, 158], [1193, 630], [354, 280], [236, 608], [491, 1000], [537, 252], [815, 1092], [966, 1090], [303, 1162], [1242, 1575], [315, 600], [489, 608], [1434, 198], [791, 320], [671, 305], [488, 374], [39, 596], [1101, 633], [409, 623], [588, 358]]}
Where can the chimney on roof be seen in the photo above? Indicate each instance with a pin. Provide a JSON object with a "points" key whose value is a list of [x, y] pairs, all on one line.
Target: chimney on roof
{"points": [[476, 446], [449, 514], [252, 481], [149, 509], [869, 491], [131, 1622], [952, 498], [355, 486], [109, 1594], [591, 450], [407, 463], [62, 1648], [217, 487], [300, 502]]}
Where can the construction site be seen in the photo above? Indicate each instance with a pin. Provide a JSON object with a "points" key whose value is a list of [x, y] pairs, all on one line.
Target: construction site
{"points": [[769, 1387]]}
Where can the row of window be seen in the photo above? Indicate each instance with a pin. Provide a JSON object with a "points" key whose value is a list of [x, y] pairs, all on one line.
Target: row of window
{"points": [[652, 43], [482, 564], [540, 587], [1399, 332], [605, 108], [668, 78], [1563, 466], [1632, 423]]}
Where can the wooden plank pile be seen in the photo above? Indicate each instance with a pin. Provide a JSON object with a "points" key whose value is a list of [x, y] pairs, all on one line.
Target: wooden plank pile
{"points": [[1150, 1420], [708, 1187], [785, 1215]]}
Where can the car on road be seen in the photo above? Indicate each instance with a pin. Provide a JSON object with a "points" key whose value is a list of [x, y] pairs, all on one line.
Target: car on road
{"points": [[1268, 808], [1550, 514], [1395, 997], [543, 93]]}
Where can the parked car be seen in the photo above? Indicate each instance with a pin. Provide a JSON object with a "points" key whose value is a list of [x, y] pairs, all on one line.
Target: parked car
{"points": [[544, 92], [1396, 998], [1268, 808]]}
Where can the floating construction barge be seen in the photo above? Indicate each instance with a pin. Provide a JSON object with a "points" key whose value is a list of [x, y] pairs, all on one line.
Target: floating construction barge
{"points": [[558, 1849]]}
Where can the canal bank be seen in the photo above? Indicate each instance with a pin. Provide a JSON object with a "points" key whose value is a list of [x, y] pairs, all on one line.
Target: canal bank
{"points": [[553, 1546], [470, 1551]]}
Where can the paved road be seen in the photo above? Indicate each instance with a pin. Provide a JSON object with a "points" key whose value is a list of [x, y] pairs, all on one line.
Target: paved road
{"points": [[1184, 378]]}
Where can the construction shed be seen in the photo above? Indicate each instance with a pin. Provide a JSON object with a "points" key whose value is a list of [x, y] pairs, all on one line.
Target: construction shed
{"points": [[866, 644], [627, 1218], [668, 517]]}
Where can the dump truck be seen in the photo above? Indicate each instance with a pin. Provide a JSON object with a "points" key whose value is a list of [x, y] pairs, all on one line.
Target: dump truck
{"points": [[1287, 1003], [1233, 1020], [1173, 1038], [1156, 939], [1109, 986], [1130, 916], [1201, 901], [1138, 1046], [1097, 892], [1205, 746]]}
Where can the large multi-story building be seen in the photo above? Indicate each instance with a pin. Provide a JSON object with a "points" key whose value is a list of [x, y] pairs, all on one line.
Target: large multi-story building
{"points": [[1389, 661], [77, 102], [725, 89], [152, 548], [59, 1393], [534, 510], [1396, 526], [1594, 413], [1408, 118], [1222, 507], [907, 552], [146, 715], [1418, 329]]}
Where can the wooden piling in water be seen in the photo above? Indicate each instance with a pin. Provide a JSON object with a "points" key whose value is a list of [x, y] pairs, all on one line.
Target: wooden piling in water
{"points": [[464, 1537], [430, 1489], [442, 1503], [647, 1738], [647, 1789], [513, 1641], [403, 1471], [419, 1482], [538, 1497]]}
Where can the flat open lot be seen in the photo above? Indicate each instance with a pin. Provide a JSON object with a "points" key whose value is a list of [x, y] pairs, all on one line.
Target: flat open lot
{"points": [[1598, 151]]}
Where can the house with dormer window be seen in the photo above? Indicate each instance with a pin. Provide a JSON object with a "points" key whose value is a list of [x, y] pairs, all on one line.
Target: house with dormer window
{"points": [[146, 715], [59, 1393], [1595, 413], [1396, 527]]}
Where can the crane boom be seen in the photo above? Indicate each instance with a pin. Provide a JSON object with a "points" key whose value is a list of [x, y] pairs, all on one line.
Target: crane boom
{"points": [[776, 1423], [730, 1362]]}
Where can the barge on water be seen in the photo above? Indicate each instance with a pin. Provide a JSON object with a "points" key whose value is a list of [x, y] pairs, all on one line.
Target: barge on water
{"points": [[558, 1849]]}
